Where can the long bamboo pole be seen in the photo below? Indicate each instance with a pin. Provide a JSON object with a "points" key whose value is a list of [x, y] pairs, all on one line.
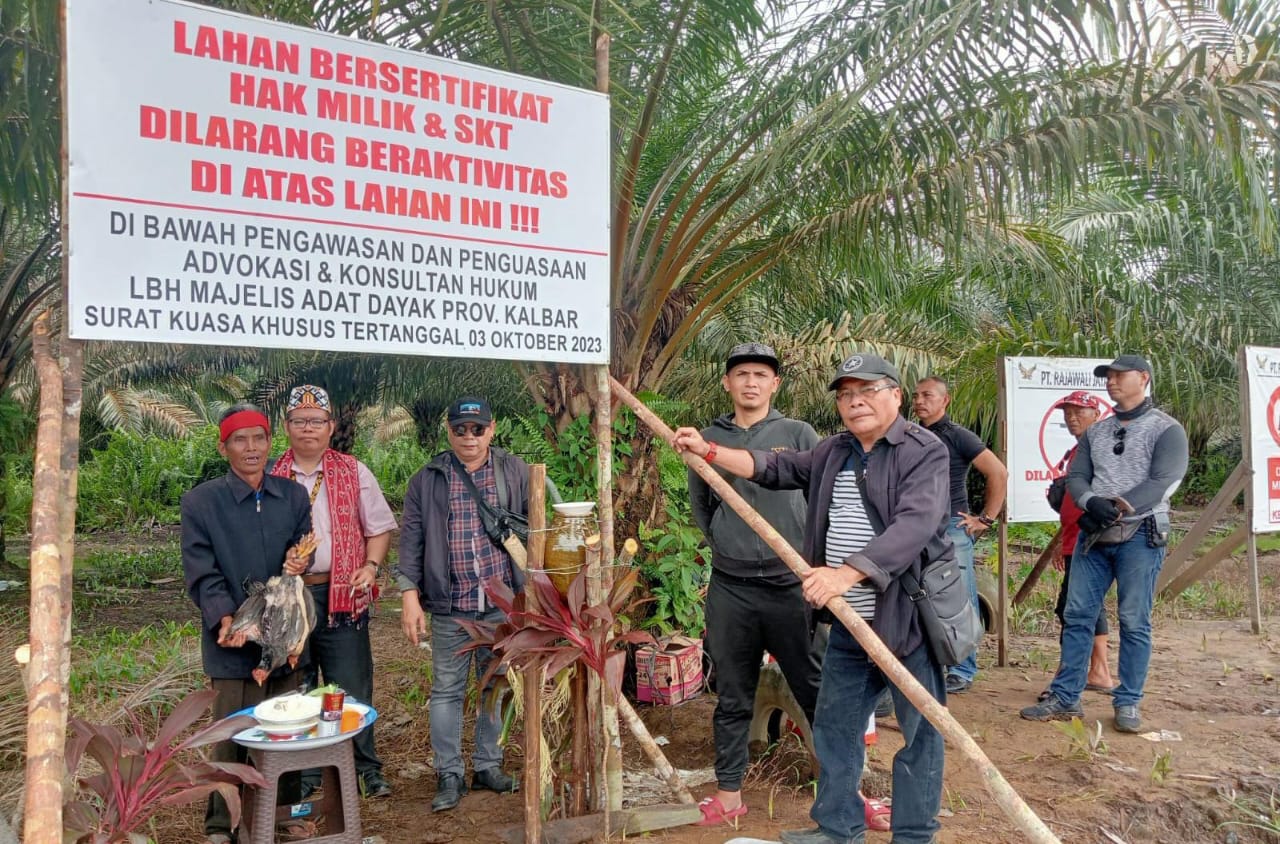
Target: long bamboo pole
{"points": [[46, 695], [1009, 801]]}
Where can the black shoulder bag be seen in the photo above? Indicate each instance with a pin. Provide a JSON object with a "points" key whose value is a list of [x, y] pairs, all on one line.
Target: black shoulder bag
{"points": [[951, 625], [499, 522]]}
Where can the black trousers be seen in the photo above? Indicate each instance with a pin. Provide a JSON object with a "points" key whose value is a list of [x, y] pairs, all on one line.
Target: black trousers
{"points": [[745, 618], [234, 695], [1100, 627], [343, 655]]}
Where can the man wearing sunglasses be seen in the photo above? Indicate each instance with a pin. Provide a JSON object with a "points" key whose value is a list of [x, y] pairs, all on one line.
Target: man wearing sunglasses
{"points": [[446, 556], [1125, 470], [884, 469], [352, 523]]}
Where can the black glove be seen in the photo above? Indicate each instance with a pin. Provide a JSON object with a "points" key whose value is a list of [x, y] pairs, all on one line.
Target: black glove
{"points": [[1089, 524], [1103, 509]]}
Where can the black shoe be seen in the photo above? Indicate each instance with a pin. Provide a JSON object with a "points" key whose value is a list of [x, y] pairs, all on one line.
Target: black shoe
{"points": [[1128, 719], [809, 836], [449, 790], [1052, 709], [373, 786], [884, 706], [493, 779], [957, 685]]}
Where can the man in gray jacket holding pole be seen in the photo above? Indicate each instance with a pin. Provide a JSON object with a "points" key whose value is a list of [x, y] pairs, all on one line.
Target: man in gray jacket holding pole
{"points": [[884, 462], [754, 602]]}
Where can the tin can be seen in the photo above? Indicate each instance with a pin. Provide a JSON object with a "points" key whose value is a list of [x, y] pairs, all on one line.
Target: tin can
{"points": [[331, 713]]}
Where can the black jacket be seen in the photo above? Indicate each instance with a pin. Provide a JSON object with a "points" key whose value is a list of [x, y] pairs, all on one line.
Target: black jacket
{"points": [[737, 549], [424, 528], [227, 540], [907, 483]]}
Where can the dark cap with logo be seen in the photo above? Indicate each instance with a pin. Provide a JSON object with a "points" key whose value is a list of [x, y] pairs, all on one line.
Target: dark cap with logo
{"points": [[751, 353], [1124, 363], [470, 409], [865, 366]]}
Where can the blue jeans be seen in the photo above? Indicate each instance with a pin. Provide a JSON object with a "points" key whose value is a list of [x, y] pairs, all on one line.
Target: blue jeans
{"points": [[448, 696], [964, 556], [1133, 566], [851, 683]]}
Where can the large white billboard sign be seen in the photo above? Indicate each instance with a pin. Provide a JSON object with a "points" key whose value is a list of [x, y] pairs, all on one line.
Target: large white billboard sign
{"points": [[235, 181], [1037, 437], [1262, 374]]}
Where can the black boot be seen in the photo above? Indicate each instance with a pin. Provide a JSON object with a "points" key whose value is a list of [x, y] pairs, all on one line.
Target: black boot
{"points": [[449, 790]]}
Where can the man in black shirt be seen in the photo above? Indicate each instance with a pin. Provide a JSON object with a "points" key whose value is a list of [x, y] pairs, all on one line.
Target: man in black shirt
{"points": [[930, 403], [237, 528]]}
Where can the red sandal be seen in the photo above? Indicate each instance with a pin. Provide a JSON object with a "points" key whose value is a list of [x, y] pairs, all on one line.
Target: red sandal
{"points": [[714, 813], [878, 814]]}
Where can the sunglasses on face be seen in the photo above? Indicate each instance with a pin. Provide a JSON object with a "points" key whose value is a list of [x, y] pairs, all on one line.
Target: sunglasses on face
{"points": [[1118, 448], [467, 429]]}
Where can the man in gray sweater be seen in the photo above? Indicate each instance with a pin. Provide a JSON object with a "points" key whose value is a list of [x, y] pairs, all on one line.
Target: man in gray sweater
{"points": [[1125, 470], [754, 603]]}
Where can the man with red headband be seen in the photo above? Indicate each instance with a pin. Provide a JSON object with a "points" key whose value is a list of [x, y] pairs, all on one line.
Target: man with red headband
{"points": [[353, 525], [237, 529]]}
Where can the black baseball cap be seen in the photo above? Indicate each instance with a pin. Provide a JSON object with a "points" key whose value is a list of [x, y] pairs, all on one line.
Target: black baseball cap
{"points": [[470, 409], [1124, 363], [865, 366], [751, 353]]}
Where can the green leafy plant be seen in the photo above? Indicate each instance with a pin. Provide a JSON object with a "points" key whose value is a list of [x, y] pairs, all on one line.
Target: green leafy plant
{"points": [[675, 562], [139, 775], [562, 629], [1083, 744], [1162, 767]]}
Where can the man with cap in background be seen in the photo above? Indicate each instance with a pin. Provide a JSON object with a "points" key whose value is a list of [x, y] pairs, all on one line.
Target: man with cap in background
{"points": [[754, 601], [930, 402], [878, 503], [240, 528], [353, 525], [446, 555], [1126, 468], [1079, 410]]}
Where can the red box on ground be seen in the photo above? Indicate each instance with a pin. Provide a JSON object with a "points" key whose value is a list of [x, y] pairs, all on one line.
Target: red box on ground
{"points": [[669, 673]]}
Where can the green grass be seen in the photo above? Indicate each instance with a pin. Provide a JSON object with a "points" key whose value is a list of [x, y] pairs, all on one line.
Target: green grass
{"points": [[114, 664], [103, 569]]}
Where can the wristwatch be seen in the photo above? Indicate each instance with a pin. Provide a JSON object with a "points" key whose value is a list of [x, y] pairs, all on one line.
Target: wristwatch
{"points": [[986, 520], [373, 563]]}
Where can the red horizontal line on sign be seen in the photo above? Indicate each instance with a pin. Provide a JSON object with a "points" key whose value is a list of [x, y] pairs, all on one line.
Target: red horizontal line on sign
{"points": [[157, 203]]}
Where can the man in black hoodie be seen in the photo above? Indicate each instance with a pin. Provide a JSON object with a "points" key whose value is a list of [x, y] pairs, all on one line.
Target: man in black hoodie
{"points": [[754, 603]]}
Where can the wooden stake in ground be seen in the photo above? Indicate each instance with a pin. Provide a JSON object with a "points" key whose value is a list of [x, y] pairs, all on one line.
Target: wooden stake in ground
{"points": [[532, 780], [1013, 805], [46, 696]]}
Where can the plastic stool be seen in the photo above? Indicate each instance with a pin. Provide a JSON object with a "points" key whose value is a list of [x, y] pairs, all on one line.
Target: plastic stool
{"points": [[340, 804]]}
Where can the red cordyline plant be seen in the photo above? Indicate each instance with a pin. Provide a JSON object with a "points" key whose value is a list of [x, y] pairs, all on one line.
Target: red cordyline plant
{"points": [[564, 629], [139, 776]]}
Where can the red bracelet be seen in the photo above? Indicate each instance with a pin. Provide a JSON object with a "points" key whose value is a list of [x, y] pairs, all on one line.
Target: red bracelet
{"points": [[711, 453]]}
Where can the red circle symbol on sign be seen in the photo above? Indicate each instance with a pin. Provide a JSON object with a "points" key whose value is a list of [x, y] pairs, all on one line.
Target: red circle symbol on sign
{"points": [[1045, 436], [1273, 408]]}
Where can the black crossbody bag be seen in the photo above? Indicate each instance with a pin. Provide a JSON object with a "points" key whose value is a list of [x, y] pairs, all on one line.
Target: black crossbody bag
{"points": [[951, 625], [499, 522]]}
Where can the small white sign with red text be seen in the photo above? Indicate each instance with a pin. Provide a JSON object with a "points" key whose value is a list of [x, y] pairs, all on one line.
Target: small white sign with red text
{"points": [[1037, 436], [1262, 373], [236, 181]]}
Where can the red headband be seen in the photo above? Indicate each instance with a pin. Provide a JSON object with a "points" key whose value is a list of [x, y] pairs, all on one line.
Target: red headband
{"points": [[242, 419]]}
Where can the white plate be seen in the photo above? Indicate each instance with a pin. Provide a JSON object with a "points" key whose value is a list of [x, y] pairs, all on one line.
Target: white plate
{"points": [[278, 731], [285, 710], [574, 508], [256, 738]]}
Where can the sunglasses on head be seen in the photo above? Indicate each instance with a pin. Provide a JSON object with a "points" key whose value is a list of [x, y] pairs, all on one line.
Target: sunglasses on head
{"points": [[1118, 448], [467, 428]]}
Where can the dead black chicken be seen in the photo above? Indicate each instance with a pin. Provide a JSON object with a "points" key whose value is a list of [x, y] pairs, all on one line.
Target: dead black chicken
{"points": [[279, 615]]}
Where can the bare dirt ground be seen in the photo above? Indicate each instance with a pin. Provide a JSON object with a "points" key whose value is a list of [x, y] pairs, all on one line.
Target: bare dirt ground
{"points": [[1212, 683]]}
